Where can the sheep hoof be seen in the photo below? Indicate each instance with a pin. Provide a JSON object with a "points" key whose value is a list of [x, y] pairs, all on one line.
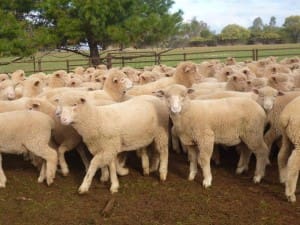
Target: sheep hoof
{"points": [[257, 179], [163, 177], [191, 176], [146, 172], [2, 185], [49, 181], [292, 198], [240, 170], [114, 189], [206, 183], [123, 171], [41, 179], [104, 179], [82, 190]]}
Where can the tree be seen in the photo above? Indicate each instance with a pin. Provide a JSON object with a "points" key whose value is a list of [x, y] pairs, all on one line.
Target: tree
{"points": [[234, 33], [292, 28], [272, 22], [102, 22], [13, 38]]}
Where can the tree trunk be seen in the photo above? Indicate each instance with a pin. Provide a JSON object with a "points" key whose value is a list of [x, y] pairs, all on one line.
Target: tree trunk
{"points": [[94, 53]]}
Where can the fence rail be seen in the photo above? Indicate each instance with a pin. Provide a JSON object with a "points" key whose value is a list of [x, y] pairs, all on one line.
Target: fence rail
{"points": [[140, 59]]}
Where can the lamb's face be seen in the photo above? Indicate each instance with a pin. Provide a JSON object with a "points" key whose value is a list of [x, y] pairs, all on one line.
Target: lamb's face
{"points": [[67, 109], [175, 97], [267, 96], [119, 81], [7, 88]]}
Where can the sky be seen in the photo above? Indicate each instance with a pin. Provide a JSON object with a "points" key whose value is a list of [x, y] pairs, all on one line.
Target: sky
{"points": [[219, 13]]}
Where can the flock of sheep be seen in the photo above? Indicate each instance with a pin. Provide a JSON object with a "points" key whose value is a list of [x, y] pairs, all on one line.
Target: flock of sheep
{"points": [[195, 108]]}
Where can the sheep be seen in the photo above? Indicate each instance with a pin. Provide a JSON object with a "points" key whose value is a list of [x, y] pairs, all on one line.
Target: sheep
{"points": [[148, 76], [274, 102], [131, 73], [56, 79], [289, 154], [7, 90], [65, 136], [79, 70], [18, 76], [281, 82], [105, 139], [36, 140], [92, 85], [229, 121], [32, 87], [3, 77], [74, 82], [186, 74], [18, 104], [223, 74]]}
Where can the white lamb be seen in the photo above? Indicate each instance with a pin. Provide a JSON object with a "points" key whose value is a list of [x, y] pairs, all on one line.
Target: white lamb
{"points": [[109, 130], [289, 154], [34, 138], [202, 123]]}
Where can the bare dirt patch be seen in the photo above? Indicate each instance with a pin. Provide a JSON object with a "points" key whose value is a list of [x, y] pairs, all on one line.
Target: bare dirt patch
{"points": [[232, 199]]}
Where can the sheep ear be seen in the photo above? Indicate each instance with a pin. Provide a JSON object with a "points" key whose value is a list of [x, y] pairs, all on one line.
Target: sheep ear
{"points": [[255, 91], [274, 79], [37, 83], [227, 73], [35, 105], [57, 75], [115, 80], [73, 83], [159, 93], [82, 100], [280, 93], [56, 100], [187, 69], [190, 90], [249, 82], [234, 78], [143, 77]]}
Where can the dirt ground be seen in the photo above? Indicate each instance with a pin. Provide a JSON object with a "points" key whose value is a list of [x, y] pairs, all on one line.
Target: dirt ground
{"points": [[232, 199]]}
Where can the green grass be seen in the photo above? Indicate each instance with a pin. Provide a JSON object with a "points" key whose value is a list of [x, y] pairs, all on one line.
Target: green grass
{"points": [[51, 61]]}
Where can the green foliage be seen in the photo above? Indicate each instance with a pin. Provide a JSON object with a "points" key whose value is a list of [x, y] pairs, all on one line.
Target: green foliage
{"points": [[292, 28], [234, 33], [13, 38]]}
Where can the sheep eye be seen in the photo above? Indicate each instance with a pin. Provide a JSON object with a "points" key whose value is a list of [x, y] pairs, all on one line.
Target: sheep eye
{"points": [[75, 104]]}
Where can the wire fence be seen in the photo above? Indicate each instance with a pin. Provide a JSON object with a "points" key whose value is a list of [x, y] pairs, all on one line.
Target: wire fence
{"points": [[139, 59]]}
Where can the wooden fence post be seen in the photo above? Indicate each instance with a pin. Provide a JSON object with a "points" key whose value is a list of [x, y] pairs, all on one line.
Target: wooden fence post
{"points": [[123, 61], [256, 54], [184, 56], [253, 55], [109, 60], [39, 65], [68, 66], [34, 68]]}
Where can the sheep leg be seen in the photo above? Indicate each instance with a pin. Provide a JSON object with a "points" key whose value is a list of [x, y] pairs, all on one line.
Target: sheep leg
{"points": [[283, 157], [216, 155], [61, 159], [81, 151], [192, 156], [113, 177], [206, 146], [175, 141], [120, 164], [50, 155], [292, 175], [163, 167], [104, 174], [145, 160], [42, 173], [245, 155], [154, 162], [262, 160], [270, 136], [100, 160], [2, 175]]}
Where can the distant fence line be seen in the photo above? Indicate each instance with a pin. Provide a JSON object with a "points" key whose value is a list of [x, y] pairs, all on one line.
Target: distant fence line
{"points": [[147, 58]]}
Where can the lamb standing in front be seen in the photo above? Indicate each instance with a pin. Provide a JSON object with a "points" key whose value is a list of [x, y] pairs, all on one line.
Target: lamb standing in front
{"points": [[229, 121], [111, 129]]}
